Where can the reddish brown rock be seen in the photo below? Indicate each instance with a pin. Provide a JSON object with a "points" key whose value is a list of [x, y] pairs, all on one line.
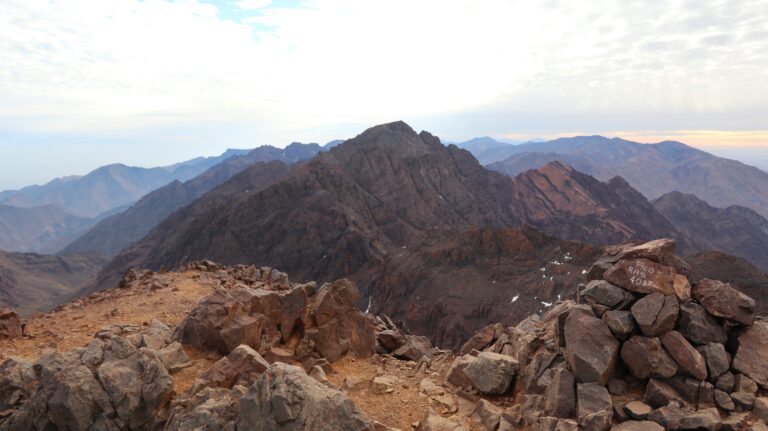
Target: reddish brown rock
{"points": [[722, 300], [591, 350], [656, 313], [10, 324], [642, 276], [688, 359], [699, 326], [645, 357], [752, 355]]}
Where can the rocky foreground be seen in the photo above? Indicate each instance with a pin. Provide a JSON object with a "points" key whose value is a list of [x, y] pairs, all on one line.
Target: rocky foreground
{"points": [[642, 349]]}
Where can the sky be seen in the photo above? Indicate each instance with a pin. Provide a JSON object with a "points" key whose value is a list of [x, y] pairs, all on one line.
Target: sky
{"points": [[84, 83]]}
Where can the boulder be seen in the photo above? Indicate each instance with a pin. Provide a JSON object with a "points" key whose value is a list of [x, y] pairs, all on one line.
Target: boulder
{"points": [[642, 276], [717, 359], [242, 365], [688, 359], [742, 383], [620, 322], [744, 401], [722, 300], [659, 393], [414, 348], [10, 324], [752, 352], [699, 326], [595, 407], [617, 386], [591, 349], [174, 357], [487, 414], [538, 374], [604, 293], [560, 398], [390, 339], [17, 383], [726, 382], [637, 410], [285, 398], [675, 419], [482, 339], [208, 409], [638, 426], [656, 313], [724, 401], [491, 373], [456, 375], [645, 357]]}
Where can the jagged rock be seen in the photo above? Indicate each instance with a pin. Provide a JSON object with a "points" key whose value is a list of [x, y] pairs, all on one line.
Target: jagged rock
{"points": [[659, 393], [242, 365], [595, 407], [638, 426], [604, 293], [488, 414], [698, 326], [560, 401], [390, 339], [538, 374], [645, 357], [761, 408], [642, 276], [724, 400], [10, 324], [138, 386], [174, 357], [456, 375], [637, 410], [682, 288], [278, 354], [532, 408], [414, 348], [722, 300], [591, 350], [745, 384], [491, 373], [482, 339], [285, 398], [548, 423], [617, 386], [656, 313], [744, 401], [17, 382], [726, 382], [434, 422], [675, 419], [208, 409], [717, 359], [734, 422], [751, 355], [621, 323], [688, 359], [341, 329], [659, 250]]}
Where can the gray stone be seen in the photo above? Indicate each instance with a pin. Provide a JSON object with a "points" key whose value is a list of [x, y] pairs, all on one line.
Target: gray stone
{"points": [[491, 373], [659, 393], [699, 326], [638, 410], [591, 350], [688, 359], [744, 401], [604, 293], [434, 422], [595, 407], [751, 355], [642, 276], [285, 398], [242, 365], [488, 414], [675, 419], [656, 313], [208, 409], [621, 323], [645, 357], [415, 347], [717, 359], [722, 300], [726, 382], [745, 384], [456, 375], [724, 400], [174, 357], [560, 398], [617, 386]]}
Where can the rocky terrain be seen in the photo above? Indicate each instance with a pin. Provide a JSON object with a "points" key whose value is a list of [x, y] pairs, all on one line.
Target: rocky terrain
{"points": [[115, 233], [734, 230], [244, 348], [31, 282], [653, 169]]}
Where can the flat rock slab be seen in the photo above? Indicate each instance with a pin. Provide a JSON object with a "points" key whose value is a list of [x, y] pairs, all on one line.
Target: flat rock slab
{"points": [[642, 276]]}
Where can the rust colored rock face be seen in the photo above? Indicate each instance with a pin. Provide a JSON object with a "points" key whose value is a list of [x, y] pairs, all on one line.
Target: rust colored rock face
{"points": [[656, 313], [642, 276], [752, 356], [10, 324], [722, 300], [688, 359], [645, 357], [591, 350]]}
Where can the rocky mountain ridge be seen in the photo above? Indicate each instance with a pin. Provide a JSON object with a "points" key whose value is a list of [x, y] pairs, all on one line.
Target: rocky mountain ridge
{"points": [[643, 349]]}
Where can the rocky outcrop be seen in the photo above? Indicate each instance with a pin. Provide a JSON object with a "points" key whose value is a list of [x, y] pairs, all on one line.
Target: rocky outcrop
{"points": [[10, 324]]}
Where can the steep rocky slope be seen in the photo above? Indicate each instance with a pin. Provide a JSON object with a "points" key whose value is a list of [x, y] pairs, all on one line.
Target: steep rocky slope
{"points": [[42, 229], [244, 348], [115, 233], [734, 230], [32, 282], [653, 169], [108, 187]]}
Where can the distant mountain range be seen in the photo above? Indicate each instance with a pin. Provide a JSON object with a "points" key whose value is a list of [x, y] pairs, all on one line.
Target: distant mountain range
{"points": [[114, 233], [42, 229], [652, 169], [108, 187]]}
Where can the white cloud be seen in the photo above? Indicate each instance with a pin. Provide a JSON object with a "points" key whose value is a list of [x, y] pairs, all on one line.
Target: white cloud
{"points": [[79, 65], [253, 4]]}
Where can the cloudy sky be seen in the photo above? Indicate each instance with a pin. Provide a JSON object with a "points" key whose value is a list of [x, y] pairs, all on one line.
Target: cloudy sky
{"points": [[89, 82]]}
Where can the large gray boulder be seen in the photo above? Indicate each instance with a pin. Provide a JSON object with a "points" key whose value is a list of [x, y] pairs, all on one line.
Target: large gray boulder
{"points": [[492, 373], [591, 350], [285, 398]]}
